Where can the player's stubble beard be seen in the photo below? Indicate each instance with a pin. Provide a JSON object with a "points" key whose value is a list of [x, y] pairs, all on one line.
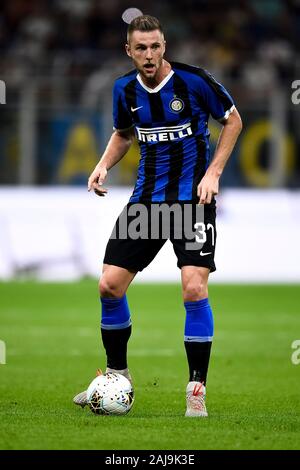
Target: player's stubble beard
{"points": [[154, 78]]}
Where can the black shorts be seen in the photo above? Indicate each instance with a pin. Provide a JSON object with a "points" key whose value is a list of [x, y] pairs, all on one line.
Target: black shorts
{"points": [[141, 230]]}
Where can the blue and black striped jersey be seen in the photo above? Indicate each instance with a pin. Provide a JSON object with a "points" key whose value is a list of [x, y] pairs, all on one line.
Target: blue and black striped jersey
{"points": [[170, 123]]}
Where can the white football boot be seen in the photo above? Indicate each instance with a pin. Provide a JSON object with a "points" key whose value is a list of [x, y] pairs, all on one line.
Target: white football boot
{"points": [[195, 400], [81, 398]]}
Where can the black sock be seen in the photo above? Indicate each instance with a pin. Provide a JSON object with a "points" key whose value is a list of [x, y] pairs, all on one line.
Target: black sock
{"points": [[198, 355], [115, 344]]}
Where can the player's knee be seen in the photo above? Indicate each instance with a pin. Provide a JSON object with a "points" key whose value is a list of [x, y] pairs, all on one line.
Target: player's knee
{"points": [[195, 289], [110, 288]]}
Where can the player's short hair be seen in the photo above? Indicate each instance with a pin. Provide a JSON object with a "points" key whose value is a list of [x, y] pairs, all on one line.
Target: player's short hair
{"points": [[144, 23]]}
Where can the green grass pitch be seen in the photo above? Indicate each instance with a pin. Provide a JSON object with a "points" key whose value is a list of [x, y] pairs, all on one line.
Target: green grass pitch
{"points": [[51, 332]]}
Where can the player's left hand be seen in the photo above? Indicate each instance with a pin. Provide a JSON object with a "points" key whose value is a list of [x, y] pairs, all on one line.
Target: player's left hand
{"points": [[207, 188]]}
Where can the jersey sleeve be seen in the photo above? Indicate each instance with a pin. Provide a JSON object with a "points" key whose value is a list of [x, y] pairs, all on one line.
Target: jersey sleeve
{"points": [[121, 118], [217, 100]]}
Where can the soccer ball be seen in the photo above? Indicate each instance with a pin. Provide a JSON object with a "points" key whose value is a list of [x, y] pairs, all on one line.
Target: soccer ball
{"points": [[110, 394]]}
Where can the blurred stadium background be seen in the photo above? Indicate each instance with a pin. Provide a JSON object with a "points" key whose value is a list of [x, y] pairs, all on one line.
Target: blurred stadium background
{"points": [[58, 61]]}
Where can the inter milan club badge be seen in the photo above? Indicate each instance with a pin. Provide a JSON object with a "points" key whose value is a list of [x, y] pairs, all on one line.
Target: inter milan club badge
{"points": [[176, 105]]}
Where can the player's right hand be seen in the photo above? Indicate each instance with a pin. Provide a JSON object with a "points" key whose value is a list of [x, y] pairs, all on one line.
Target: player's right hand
{"points": [[96, 180]]}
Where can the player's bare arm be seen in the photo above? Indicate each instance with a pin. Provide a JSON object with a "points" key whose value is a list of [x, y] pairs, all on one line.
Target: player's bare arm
{"points": [[209, 185], [117, 147]]}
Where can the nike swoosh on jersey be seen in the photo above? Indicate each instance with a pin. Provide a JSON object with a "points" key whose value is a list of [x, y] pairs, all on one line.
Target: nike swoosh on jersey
{"points": [[135, 109], [205, 254]]}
